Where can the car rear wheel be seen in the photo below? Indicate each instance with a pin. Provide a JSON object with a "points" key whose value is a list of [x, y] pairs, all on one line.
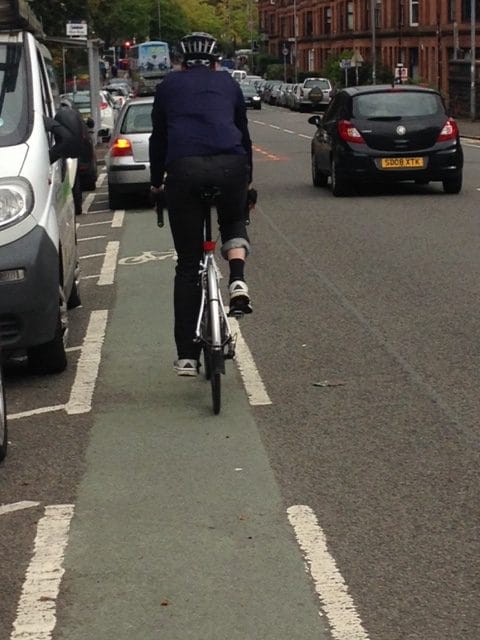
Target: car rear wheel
{"points": [[114, 200], [319, 179], [453, 185], [340, 186]]}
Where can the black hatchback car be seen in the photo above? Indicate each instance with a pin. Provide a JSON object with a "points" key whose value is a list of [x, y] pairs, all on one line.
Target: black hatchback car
{"points": [[383, 133]]}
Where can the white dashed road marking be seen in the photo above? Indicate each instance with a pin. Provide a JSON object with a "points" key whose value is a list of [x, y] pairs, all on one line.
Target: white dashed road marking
{"points": [[107, 274], [37, 607], [330, 586], [83, 387]]}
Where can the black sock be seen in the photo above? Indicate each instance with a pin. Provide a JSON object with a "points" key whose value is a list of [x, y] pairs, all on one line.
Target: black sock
{"points": [[236, 269]]}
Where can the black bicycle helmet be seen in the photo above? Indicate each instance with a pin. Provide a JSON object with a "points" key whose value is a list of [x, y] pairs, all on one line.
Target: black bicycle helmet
{"points": [[198, 48]]}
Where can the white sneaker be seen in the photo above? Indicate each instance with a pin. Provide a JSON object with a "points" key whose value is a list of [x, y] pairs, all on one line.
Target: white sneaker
{"points": [[239, 297], [186, 367]]}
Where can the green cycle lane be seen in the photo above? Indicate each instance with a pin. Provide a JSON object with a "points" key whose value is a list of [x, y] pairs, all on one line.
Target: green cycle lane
{"points": [[179, 528]]}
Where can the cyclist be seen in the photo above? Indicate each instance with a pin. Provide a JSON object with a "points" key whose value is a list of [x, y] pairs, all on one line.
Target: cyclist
{"points": [[200, 138]]}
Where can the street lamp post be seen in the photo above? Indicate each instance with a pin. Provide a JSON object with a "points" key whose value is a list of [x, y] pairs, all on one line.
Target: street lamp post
{"points": [[295, 67], [473, 60], [159, 21], [373, 9]]}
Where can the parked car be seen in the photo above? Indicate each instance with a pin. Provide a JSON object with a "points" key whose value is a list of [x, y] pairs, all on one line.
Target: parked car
{"points": [[38, 248], [250, 95], [119, 93], [270, 91], [313, 93], [384, 133], [107, 106], [127, 161]]}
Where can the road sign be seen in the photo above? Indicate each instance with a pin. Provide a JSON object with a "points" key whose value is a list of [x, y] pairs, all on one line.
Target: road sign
{"points": [[285, 51], [401, 73], [345, 64], [77, 28]]}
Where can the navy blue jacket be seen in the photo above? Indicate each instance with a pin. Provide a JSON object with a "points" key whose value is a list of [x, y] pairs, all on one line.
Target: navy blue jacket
{"points": [[197, 112]]}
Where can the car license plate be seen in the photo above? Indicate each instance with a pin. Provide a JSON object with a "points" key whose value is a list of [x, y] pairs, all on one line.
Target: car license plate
{"points": [[402, 163]]}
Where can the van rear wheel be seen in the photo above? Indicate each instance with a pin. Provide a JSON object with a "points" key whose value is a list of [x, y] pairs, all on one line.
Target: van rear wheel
{"points": [[51, 357]]}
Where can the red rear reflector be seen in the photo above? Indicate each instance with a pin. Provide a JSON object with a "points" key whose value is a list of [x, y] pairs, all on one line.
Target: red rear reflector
{"points": [[449, 131], [349, 133], [121, 147], [209, 245]]}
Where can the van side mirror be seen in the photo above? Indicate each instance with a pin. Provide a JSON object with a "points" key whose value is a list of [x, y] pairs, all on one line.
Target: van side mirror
{"points": [[66, 143]]}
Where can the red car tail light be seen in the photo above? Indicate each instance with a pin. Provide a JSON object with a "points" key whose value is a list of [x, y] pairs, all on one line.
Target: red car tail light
{"points": [[103, 105], [449, 131], [349, 133], [121, 147]]}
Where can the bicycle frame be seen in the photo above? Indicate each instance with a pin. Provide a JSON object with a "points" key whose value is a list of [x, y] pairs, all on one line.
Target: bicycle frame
{"points": [[220, 332]]}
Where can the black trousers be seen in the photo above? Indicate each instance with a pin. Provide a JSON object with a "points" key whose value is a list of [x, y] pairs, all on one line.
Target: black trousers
{"points": [[186, 178]]}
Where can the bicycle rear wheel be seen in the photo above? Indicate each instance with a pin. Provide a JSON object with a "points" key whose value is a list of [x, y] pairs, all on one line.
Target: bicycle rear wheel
{"points": [[212, 374]]}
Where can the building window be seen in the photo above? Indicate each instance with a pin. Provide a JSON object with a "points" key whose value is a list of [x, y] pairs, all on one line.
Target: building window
{"points": [[451, 11], [311, 60], [350, 20], [414, 12], [308, 23], [466, 10], [327, 20]]}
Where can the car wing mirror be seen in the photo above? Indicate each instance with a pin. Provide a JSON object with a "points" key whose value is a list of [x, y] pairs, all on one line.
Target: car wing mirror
{"points": [[90, 122], [316, 119]]}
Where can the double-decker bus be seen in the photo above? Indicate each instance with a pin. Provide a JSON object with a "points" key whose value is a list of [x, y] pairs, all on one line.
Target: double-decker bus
{"points": [[149, 62]]}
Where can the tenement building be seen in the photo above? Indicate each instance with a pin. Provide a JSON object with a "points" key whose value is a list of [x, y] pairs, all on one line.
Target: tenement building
{"points": [[430, 38]]}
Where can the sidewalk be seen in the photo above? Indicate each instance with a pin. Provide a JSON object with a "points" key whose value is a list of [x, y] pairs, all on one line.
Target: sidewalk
{"points": [[468, 129]]}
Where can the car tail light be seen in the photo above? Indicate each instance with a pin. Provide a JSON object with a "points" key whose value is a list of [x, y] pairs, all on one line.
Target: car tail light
{"points": [[103, 105], [121, 147], [449, 131], [349, 133]]}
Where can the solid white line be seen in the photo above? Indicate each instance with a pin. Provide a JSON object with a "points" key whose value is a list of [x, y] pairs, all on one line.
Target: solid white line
{"points": [[37, 607], [17, 506], [91, 238], [256, 392], [94, 224], [88, 364], [107, 273], [35, 412], [87, 203], [330, 586], [118, 217], [92, 255]]}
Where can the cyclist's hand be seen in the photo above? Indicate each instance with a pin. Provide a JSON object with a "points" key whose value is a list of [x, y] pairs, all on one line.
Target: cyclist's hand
{"points": [[251, 198]]}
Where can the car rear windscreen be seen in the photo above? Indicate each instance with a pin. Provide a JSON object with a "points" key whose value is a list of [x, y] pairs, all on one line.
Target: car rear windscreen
{"points": [[397, 103]]}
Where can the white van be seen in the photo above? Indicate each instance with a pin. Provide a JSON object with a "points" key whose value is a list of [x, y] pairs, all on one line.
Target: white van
{"points": [[38, 249], [239, 75]]}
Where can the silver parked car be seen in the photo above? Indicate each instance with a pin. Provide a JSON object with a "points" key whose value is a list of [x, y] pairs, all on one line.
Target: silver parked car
{"points": [[127, 160]]}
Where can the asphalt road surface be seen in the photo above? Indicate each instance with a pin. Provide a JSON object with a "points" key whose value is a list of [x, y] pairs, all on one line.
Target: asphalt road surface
{"points": [[336, 495]]}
